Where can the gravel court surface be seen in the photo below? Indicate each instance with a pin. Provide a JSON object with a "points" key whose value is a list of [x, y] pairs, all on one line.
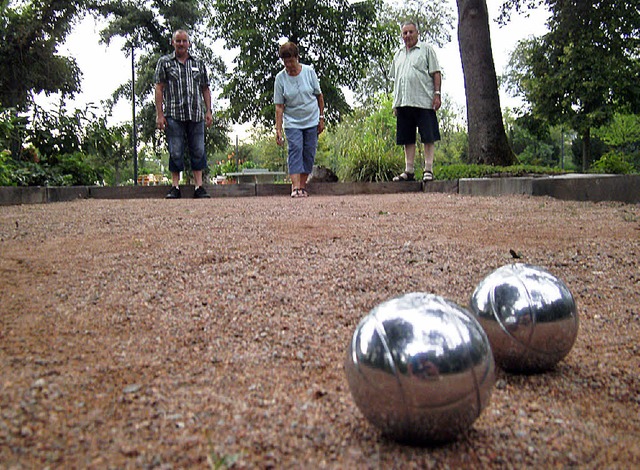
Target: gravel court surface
{"points": [[169, 334]]}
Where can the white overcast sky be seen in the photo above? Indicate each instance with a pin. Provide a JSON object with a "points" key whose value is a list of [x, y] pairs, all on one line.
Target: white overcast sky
{"points": [[105, 68]]}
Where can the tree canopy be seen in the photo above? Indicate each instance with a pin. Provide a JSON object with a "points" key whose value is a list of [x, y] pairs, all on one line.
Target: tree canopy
{"points": [[585, 69], [30, 33]]}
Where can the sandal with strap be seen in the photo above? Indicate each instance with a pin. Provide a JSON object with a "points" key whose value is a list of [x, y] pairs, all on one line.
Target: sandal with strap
{"points": [[404, 176], [295, 193], [427, 176], [303, 192]]}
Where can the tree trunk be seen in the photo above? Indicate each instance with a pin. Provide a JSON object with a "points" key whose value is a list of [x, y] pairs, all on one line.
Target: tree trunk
{"points": [[488, 142]]}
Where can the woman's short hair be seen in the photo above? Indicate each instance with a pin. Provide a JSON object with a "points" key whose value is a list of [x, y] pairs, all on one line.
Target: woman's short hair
{"points": [[287, 50]]}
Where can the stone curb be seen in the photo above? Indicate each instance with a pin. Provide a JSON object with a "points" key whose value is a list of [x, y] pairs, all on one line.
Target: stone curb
{"points": [[576, 187]]}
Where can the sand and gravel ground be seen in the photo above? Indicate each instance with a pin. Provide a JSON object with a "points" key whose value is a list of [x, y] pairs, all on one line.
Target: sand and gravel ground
{"points": [[165, 334]]}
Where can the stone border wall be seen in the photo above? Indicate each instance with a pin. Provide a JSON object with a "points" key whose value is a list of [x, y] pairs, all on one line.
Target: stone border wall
{"points": [[595, 188]]}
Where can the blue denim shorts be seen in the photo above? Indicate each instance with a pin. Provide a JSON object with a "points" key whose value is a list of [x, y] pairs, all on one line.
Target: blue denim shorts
{"points": [[302, 144], [182, 135]]}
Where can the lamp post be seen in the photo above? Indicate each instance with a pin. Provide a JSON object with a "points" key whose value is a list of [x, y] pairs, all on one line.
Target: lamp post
{"points": [[134, 136]]}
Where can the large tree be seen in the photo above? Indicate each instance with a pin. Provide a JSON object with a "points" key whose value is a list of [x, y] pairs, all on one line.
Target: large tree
{"points": [[488, 142], [585, 69], [30, 32], [335, 36]]}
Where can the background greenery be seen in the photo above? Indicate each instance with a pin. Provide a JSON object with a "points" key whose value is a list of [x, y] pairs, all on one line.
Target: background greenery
{"points": [[577, 114]]}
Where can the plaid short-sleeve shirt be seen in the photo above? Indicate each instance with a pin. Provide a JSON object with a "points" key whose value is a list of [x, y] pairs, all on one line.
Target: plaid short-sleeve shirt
{"points": [[182, 95]]}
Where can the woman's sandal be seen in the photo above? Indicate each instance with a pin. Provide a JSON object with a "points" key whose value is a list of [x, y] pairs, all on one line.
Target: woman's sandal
{"points": [[427, 176], [303, 192], [295, 193], [404, 176]]}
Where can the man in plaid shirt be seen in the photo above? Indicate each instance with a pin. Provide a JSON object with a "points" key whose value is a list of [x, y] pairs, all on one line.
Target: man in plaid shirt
{"points": [[183, 108]]}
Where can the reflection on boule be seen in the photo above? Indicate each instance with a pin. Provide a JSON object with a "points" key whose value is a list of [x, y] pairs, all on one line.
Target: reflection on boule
{"points": [[528, 314], [420, 368]]}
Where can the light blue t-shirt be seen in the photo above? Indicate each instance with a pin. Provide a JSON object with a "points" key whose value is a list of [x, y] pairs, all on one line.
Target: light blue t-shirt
{"points": [[299, 95]]}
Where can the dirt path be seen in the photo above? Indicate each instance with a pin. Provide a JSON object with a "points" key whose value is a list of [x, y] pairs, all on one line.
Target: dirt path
{"points": [[161, 334]]}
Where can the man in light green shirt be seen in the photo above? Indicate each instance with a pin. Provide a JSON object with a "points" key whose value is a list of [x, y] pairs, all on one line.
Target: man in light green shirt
{"points": [[416, 98]]}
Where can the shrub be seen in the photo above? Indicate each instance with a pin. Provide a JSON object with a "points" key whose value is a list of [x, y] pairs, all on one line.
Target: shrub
{"points": [[6, 169], [369, 160], [461, 170], [363, 146], [612, 163]]}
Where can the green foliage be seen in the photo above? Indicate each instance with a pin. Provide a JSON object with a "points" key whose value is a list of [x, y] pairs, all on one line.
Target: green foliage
{"points": [[226, 164], [35, 174], [460, 170], [62, 148], [57, 132], [6, 169], [532, 142], [364, 146], [109, 145], [69, 170], [266, 153], [612, 163], [12, 130], [622, 136], [222, 462], [370, 161], [76, 170], [622, 131], [454, 143], [30, 33], [584, 69], [597, 149]]}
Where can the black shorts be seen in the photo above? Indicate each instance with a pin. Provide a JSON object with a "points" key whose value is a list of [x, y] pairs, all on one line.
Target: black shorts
{"points": [[408, 118]]}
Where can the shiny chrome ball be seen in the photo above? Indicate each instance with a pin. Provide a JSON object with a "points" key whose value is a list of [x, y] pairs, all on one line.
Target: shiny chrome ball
{"points": [[420, 368], [528, 314]]}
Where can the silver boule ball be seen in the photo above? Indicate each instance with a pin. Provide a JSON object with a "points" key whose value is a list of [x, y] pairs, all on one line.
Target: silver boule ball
{"points": [[528, 314], [420, 368]]}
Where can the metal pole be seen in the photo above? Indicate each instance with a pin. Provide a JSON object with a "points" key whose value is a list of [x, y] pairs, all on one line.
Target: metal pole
{"points": [[237, 157], [562, 153], [134, 136]]}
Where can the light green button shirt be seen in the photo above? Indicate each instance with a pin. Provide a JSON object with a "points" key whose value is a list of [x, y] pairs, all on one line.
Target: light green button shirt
{"points": [[412, 72]]}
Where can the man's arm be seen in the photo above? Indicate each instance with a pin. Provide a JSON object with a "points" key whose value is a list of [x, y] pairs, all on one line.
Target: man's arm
{"points": [[161, 121], [206, 94], [437, 84]]}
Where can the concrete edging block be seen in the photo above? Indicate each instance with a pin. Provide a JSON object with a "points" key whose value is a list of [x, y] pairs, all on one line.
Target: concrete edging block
{"points": [[577, 187], [343, 189], [595, 188], [495, 186], [14, 195]]}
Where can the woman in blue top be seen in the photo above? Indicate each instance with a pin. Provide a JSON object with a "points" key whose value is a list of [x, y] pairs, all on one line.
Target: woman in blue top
{"points": [[300, 111]]}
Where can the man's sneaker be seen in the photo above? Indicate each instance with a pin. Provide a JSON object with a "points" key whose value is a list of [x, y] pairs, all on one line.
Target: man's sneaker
{"points": [[174, 193], [201, 193]]}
